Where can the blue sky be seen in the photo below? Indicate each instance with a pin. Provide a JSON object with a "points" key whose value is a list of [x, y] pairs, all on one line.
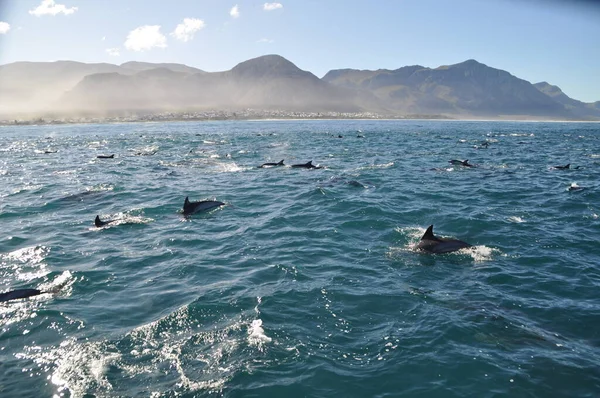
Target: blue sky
{"points": [[553, 40]]}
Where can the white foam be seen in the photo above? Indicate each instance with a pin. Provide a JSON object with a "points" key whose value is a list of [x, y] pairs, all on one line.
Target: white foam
{"points": [[480, 253], [256, 334], [61, 283], [100, 188], [414, 234], [65, 172], [33, 254], [147, 150], [516, 219], [27, 187], [232, 168], [259, 300], [377, 166], [79, 366]]}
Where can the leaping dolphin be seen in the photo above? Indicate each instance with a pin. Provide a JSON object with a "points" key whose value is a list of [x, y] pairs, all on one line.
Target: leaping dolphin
{"points": [[18, 294], [461, 162], [271, 164], [308, 165], [194, 207], [432, 244]]}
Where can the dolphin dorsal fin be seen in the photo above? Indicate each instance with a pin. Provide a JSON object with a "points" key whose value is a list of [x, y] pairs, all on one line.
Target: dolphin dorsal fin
{"points": [[309, 163], [568, 166], [187, 200], [280, 163], [97, 221], [428, 235]]}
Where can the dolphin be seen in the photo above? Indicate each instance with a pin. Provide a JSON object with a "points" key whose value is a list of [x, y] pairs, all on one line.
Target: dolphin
{"points": [[18, 294], [575, 187], [194, 207], [99, 223], [79, 197], [461, 162], [566, 167], [271, 164], [308, 165], [106, 156], [432, 244]]}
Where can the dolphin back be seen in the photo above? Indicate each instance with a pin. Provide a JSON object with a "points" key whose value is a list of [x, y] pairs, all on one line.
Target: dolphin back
{"points": [[445, 246], [18, 294], [194, 207], [99, 223], [272, 164], [428, 235], [432, 244], [307, 165]]}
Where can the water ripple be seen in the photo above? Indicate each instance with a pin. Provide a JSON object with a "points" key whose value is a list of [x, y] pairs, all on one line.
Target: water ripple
{"points": [[307, 282]]}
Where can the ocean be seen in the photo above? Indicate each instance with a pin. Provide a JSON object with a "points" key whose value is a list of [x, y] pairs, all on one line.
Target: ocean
{"points": [[307, 282]]}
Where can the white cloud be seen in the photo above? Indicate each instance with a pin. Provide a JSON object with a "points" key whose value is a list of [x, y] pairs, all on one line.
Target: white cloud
{"points": [[49, 7], [272, 6], [4, 27], [185, 31], [103, 38], [235, 11], [265, 40], [145, 38], [113, 52]]}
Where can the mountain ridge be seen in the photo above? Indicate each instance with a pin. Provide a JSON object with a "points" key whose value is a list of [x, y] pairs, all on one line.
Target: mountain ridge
{"points": [[271, 82]]}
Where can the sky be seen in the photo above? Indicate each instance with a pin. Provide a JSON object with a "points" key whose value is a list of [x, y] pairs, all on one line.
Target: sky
{"points": [[557, 41]]}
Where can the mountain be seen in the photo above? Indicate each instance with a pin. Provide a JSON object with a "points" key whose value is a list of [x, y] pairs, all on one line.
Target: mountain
{"points": [[141, 66], [37, 85], [467, 88], [29, 87], [577, 108], [267, 82], [149, 90], [271, 82]]}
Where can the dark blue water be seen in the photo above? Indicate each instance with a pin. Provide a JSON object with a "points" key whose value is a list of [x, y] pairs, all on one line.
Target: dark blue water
{"points": [[306, 284]]}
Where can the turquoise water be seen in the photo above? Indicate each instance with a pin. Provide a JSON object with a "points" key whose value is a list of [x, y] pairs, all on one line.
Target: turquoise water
{"points": [[306, 283]]}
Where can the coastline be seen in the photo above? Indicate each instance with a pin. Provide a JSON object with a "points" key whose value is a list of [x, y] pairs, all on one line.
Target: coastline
{"points": [[265, 116]]}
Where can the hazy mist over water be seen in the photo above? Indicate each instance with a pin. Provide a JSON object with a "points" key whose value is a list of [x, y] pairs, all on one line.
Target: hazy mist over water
{"points": [[67, 91], [307, 282]]}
